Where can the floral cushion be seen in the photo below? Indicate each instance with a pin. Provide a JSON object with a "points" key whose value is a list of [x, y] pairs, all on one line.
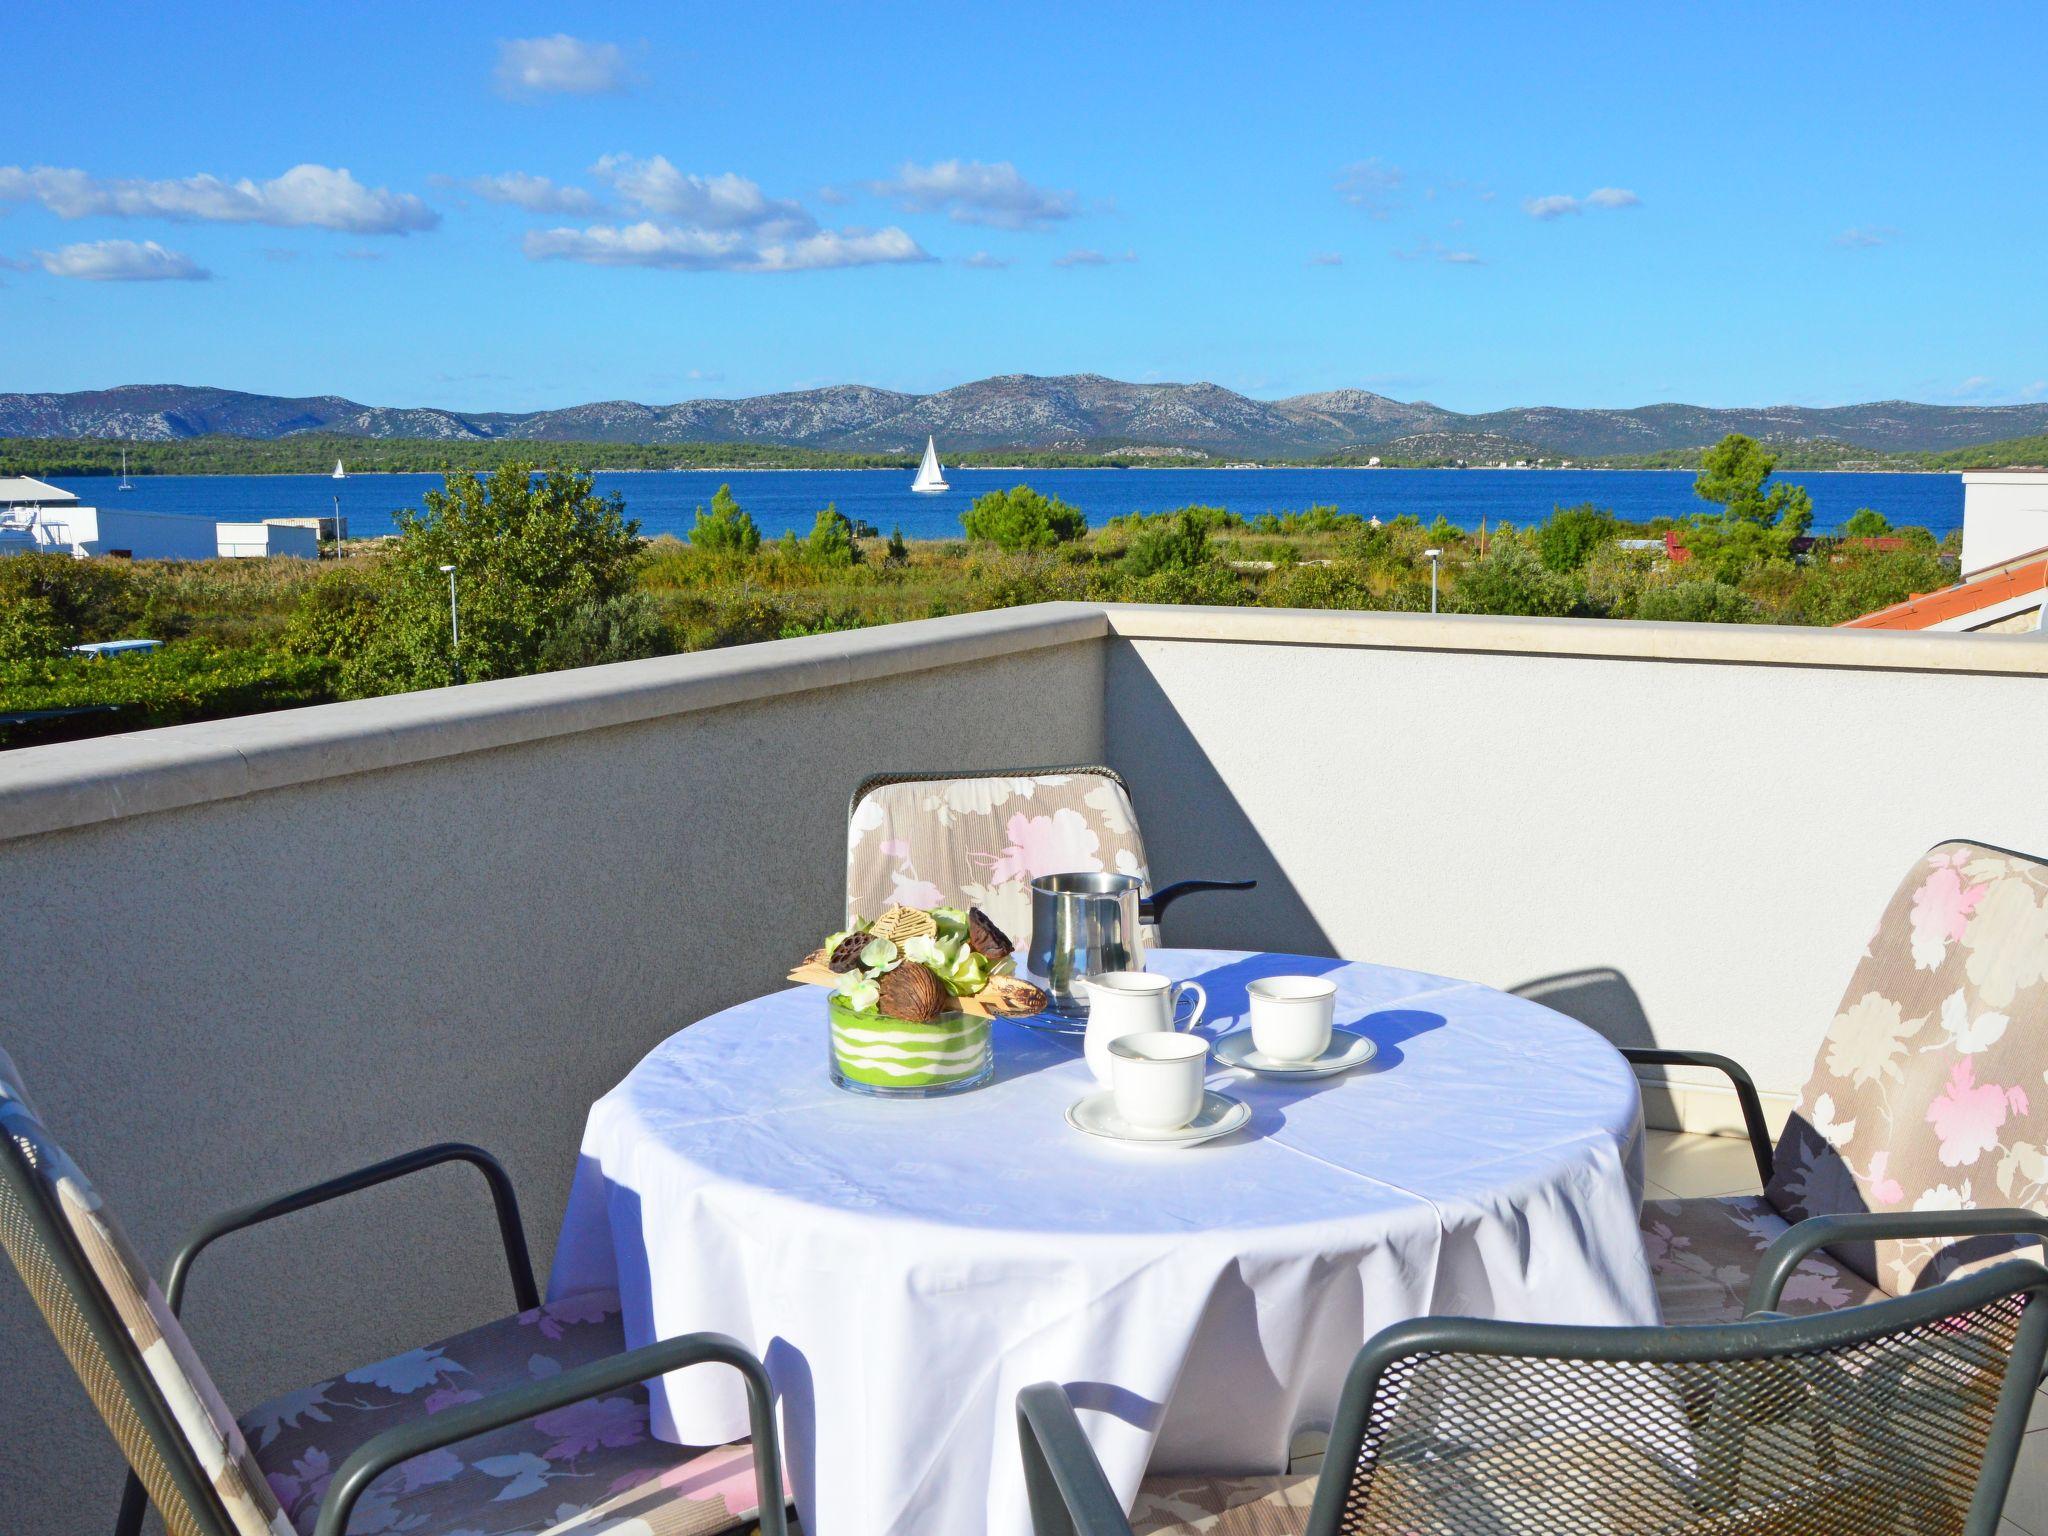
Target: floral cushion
{"points": [[589, 1468], [159, 1342], [982, 841], [1704, 1252], [1922, 1097]]}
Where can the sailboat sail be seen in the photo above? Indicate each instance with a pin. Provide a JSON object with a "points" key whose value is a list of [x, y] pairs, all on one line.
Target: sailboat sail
{"points": [[339, 472], [930, 477]]}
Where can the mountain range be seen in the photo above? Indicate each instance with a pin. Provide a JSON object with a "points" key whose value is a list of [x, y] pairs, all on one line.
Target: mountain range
{"points": [[1082, 412]]}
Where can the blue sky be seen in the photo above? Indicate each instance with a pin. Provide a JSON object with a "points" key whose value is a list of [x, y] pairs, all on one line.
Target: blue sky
{"points": [[1477, 205]]}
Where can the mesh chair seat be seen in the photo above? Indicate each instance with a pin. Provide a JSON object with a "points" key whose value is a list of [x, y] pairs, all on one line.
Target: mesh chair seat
{"points": [[1704, 1252], [590, 1467]]}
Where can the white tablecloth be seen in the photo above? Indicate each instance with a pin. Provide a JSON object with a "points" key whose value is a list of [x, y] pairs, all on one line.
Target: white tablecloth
{"points": [[905, 1267]]}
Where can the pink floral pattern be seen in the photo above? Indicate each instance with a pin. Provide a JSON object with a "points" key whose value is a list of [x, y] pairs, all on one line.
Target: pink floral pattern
{"points": [[1922, 1096], [981, 841], [591, 1467]]}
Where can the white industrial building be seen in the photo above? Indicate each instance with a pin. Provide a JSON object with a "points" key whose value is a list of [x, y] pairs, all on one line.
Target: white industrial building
{"points": [[39, 517], [280, 536]]}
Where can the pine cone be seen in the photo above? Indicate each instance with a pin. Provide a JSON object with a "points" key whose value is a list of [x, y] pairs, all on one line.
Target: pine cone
{"points": [[846, 954], [985, 938], [913, 991]]}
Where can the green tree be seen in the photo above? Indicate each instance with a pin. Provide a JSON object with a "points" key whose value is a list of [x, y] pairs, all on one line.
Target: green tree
{"points": [[1732, 474], [831, 539], [85, 599], [1020, 518], [726, 529], [1572, 535], [528, 554], [30, 630], [898, 550], [1866, 523]]}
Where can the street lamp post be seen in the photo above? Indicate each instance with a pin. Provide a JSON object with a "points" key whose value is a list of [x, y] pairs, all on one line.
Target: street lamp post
{"points": [[1434, 556], [454, 627]]}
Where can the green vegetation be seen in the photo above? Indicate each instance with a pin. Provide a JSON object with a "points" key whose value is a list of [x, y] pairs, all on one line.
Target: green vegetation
{"points": [[551, 575], [1020, 518]]}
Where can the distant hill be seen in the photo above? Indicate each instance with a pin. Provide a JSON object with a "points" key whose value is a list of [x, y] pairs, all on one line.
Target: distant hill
{"points": [[1075, 413]]}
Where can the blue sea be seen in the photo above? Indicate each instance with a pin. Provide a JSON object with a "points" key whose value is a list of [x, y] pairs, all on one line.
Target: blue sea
{"points": [[666, 502]]}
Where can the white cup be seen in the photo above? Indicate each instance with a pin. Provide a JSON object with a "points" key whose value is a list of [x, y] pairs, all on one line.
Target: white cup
{"points": [[1133, 1003], [1291, 1016], [1157, 1078]]}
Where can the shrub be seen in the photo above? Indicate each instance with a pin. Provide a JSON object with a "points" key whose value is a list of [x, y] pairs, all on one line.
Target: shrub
{"points": [[1179, 545], [627, 627], [727, 529], [1866, 523], [1698, 602], [86, 599], [1020, 518], [180, 683], [31, 631], [1510, 579]]}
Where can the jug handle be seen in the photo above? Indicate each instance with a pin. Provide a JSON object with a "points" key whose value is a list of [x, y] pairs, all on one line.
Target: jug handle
{"points": [[1153, 907]]}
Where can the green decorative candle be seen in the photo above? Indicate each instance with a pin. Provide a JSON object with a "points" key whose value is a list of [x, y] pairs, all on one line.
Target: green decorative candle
{"points": [[900, 1058]]}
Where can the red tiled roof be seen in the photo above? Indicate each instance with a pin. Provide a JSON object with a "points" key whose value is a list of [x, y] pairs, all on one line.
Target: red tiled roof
{"points": [[1927, 609]]}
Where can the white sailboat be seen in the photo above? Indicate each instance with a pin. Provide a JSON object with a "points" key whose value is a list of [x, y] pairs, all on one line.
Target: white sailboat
{"points": [[339, 472], [124, 485], [931, 479]]}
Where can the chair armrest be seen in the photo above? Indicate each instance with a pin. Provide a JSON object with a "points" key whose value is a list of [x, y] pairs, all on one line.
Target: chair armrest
{"points": [[376, 1456], [1153, 907], [1069, 1494], [510, 1230], [1745, 1092], [1793, 1245]]}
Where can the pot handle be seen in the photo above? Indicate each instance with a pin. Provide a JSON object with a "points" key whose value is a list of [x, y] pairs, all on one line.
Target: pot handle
{"points": [[1153, 907]]}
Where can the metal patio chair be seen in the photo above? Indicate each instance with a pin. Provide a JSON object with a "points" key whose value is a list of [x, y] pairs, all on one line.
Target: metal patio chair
{"points": [[500, 1429], [1921, 1139], [977, 838], [1901, 1416]]}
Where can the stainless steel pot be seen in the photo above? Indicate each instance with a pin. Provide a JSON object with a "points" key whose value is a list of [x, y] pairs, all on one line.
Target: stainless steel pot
{"points": [[1085, 924]]}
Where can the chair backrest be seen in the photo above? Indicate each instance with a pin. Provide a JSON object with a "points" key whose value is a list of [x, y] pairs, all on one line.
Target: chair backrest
{"points": [[977, 838], [1928, 1092], [130, 1353], [1904, 1415]]}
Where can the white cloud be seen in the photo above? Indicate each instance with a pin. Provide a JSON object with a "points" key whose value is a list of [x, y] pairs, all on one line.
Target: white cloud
{"points": [[1370, 184], [2035, 390], [722, 223], [536, 194], [1326, 259], [1866, 237], [706, 202], [982, 261], [971, 192], [531, 67], [1559, 204], [1436, 250], [684, 248], [122, 261], [1088, 258], [304, 197]]}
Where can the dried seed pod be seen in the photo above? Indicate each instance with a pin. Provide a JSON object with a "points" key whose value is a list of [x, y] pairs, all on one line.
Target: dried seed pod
{"points": [[913, 991], [985, 938], [900, 923], [1014, 998], [846, 954]]}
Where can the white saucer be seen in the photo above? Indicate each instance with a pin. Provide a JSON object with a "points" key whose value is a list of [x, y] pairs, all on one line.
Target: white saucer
{"points": [[1219, 1116], [1344, 1052]]}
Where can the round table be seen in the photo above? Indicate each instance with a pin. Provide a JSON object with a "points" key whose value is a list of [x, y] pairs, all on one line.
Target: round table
{"points": [[905, 1267]]}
